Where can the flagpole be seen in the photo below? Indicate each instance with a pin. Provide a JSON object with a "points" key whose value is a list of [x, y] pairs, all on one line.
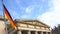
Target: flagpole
{"points": [[4, 19]]}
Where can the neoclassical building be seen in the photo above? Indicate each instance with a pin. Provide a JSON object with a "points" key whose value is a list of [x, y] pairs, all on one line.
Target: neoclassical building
{"points": [[26, 26], [32, 26]]}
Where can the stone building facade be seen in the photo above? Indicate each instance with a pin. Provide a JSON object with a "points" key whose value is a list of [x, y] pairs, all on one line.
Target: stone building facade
{"points": [[2, 26], [26, 26], [30, 26]]}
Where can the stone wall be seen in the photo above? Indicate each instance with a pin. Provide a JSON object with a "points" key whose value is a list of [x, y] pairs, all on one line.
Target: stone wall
{"points": [[2, 27]]}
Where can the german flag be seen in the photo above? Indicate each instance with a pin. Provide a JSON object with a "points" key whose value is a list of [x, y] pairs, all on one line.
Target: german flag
{"points": [[6, 13]]}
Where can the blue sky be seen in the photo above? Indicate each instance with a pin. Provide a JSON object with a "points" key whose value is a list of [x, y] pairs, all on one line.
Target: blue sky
{"points": [[46, 11], [28, 8]]}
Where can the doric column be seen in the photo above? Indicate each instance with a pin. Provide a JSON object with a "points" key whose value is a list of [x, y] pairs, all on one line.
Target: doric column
{"points": [[50, 33], [36, 32], [19, 32], [29, 32], [41, 32], [46, 32]]}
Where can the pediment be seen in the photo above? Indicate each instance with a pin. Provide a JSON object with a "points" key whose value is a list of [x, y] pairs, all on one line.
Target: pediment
{"points": [[42, 24], [32, 22]]}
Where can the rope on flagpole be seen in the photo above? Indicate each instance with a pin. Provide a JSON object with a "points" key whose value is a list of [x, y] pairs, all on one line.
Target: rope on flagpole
{"points": [[4, 19]]}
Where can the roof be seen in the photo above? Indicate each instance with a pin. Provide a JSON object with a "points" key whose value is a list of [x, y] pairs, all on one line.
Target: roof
{"points": [[25, 20], [1, 17], [31, 20]]}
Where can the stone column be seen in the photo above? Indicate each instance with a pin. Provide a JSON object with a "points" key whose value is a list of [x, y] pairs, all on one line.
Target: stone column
{"points": [[29, 32], [36, 32], [2, 27], [19, 32], [41, 32], [50, 33], [46, 32]]}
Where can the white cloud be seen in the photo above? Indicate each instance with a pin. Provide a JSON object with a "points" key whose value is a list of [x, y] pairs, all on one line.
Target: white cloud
{"points": [[19, 4], [52, 17], [29, 9], [17, 1], [32, 8], [43, 0], [14, 14]]}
